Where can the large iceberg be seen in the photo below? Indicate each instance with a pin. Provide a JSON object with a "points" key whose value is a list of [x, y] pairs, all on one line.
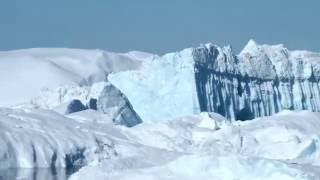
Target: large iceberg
{"points": [[260, 81], [69, 108]]}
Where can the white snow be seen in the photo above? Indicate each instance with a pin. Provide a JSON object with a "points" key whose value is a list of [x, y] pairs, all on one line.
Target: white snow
{"points": [[25, 73], [287, 63]]}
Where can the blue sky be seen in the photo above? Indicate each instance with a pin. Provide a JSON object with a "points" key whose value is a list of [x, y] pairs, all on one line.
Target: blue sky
{"points": [[158, 26]]}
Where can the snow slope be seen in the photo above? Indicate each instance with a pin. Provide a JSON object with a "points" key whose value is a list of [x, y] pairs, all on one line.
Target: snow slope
{"points": [[25, 73]]}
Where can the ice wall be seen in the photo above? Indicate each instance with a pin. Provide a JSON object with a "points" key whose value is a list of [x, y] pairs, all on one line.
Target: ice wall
{"points": [[260, 81]]}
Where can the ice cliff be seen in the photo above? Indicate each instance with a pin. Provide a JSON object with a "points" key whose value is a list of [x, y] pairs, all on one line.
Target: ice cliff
{"points": [[260, 81]]}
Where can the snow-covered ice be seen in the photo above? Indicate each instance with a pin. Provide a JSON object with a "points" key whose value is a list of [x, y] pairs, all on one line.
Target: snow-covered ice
{"points": [[278, 147], [205, 146]]}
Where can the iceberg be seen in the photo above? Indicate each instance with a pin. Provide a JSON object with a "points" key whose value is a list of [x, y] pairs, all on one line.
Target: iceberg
{"points": [[260, 81]]}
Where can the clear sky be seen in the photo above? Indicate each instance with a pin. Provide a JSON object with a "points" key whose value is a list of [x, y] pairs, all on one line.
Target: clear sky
{"points": [[158, 26]]}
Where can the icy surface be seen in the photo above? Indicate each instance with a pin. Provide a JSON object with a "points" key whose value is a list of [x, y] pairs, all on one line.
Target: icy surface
{"points": [[39, 138], [205, 146], [43, 138], [164, 85], [278, 147]]}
